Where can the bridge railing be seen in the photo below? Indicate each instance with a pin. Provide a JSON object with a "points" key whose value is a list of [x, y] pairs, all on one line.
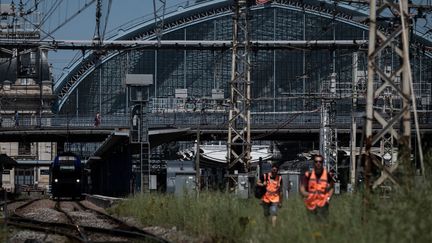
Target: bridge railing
{"points": [[214, 120], [64, 121], [89, 121]]}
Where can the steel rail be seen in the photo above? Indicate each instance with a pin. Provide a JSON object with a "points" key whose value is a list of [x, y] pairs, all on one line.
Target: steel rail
{"points": [[128, 228], [54, 228], [77, 227]]}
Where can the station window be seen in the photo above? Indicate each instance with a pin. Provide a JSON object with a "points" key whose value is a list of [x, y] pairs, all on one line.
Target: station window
{"points": [[24, 148], [24, 176]]}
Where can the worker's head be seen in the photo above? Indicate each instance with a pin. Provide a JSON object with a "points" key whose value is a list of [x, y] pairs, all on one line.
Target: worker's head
{"points": [[274, 169], [318, 161]]}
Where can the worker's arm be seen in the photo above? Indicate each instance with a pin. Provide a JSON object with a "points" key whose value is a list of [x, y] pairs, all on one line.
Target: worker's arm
{"points": [[303, 183], [330, 191], [330, 194], [280, 193], [303, 191], [260, 181]]}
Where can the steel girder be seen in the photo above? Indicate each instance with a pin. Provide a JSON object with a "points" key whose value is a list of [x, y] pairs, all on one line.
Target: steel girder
{"points": [[239, 136], [394, 83]]}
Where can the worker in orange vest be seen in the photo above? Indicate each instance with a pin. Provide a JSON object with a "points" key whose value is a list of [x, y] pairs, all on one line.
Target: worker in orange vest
{"points": [[317, 188], [272, 199]]}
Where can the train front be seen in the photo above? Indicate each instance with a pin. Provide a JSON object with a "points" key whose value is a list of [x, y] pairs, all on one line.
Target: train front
{"points": [[66, 176]]}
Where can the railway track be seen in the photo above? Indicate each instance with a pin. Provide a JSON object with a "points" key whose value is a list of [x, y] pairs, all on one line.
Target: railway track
{"points": [[78, 228], [77, 223]]}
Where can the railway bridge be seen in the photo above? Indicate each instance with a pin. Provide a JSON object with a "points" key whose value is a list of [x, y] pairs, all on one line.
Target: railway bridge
{"points": [[265, 126]]}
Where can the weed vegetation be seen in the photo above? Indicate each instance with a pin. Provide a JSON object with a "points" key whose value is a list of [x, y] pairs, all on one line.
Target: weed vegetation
{"points": [[399, 216], [3, 232]]}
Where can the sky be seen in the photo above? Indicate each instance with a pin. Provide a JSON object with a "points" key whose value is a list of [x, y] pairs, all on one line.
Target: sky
{"points": [[82, 27]]}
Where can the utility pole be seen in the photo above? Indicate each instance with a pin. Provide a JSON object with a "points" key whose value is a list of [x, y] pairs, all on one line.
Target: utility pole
{"points": [[396, 81]]}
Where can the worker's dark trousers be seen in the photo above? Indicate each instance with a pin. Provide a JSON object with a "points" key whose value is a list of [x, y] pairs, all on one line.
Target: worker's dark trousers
{"points": [[320, 213]]}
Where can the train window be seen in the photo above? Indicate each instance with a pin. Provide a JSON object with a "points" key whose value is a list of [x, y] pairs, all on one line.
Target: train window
{"points": [[67, 163], [67, 168], [66, 158]]}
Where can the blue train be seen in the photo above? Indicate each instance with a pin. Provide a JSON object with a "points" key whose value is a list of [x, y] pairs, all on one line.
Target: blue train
{"points": [[66, 176]]}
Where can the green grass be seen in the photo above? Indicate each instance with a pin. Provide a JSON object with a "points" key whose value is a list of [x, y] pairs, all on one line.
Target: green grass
{"points": [[224, 218], [402, 216], [3, 232]]}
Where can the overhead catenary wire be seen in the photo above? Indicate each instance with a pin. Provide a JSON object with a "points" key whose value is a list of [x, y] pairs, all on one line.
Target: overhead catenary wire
{"points": [[50, 12], [67, 20], [288, 121]]}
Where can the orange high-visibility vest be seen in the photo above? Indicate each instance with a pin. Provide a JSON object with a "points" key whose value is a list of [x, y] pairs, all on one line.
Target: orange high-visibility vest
{"points": [[273, 189], [318, 190]]}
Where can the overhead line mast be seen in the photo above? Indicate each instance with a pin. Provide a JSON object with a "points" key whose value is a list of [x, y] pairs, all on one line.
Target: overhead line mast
{"points": [[239, 125], [394, 86], [159, 7]]}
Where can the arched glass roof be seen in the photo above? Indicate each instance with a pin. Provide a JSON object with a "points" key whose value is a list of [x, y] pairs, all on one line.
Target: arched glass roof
{"points": [[186, 14]]}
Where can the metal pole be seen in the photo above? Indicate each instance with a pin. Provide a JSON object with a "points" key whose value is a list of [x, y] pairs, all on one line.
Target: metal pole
{"points": [[40, 87], [141, 146], [141, 170], [5, 206], [100, 87], [353, 123], [370, 93], [405, 141], [197, 160]]}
